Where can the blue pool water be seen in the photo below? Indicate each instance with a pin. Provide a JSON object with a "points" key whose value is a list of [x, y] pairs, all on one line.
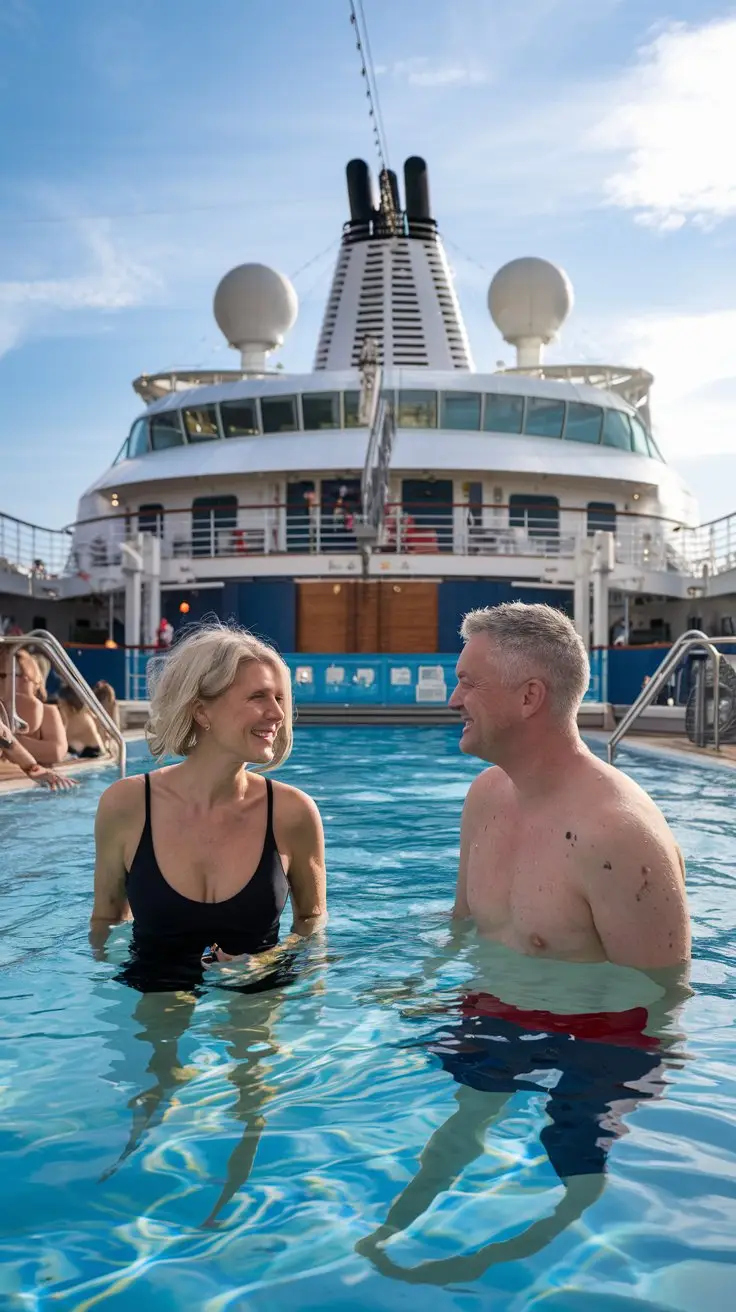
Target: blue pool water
{"points": [[243, 1152]]}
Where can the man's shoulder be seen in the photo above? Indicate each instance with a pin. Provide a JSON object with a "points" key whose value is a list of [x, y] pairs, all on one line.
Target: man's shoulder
{"points": [[486, 784], [609, 796], [618, 815]]}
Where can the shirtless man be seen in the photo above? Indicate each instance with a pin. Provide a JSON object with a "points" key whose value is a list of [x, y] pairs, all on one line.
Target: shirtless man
{"points": [[561, 855], [562, 859]]}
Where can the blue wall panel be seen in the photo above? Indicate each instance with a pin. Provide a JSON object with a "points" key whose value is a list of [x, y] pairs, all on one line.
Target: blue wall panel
{"points": [[627, 669], [458, 596], [268, 608], [95, 663]]}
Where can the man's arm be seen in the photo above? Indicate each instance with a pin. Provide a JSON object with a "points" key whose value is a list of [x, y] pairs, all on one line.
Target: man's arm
{"points": [[476, 797], [636, 890], [110, 902]]}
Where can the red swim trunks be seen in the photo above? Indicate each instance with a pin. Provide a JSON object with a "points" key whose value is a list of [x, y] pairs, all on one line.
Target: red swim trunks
{"points": [[622, 1028]]}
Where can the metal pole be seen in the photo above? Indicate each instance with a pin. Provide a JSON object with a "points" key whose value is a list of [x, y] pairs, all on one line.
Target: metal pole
{"points": [[700, 704], [717, 701]]}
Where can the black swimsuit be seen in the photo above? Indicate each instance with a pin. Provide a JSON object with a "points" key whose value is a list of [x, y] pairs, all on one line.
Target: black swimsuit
{"points": [[171, 931]]}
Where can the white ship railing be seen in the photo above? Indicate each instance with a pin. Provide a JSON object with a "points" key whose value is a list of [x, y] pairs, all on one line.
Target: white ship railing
{"points": [[34, 558]]}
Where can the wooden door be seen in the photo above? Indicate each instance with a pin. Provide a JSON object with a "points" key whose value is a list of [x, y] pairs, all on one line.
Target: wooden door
{"points": [[408, 617], [324, 617]]}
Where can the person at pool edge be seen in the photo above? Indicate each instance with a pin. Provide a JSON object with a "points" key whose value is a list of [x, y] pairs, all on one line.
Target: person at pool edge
{"points": [[561, 855], [203, 854]]}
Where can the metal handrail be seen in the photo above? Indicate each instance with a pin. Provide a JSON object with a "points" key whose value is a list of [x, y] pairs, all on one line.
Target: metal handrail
{"points": [[685, 643], [63, 665]]}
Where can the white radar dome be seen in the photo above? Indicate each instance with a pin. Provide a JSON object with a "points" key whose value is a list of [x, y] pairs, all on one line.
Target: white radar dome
{"points": [[255, 307], [529, 300]]}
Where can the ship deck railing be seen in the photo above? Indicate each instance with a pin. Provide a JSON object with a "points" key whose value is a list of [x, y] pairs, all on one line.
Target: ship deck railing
{"points": [[92, 549]]}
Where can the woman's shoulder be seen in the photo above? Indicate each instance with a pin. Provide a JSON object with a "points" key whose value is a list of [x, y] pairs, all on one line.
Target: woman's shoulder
{"points": [[293, 805], [51, 716], [122, 800]]}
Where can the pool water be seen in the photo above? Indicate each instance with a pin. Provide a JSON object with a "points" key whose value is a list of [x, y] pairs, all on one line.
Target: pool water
{"points": [[308, 1146]]}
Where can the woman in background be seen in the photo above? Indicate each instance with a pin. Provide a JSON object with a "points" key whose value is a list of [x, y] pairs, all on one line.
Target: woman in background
{"points": [[83, 735], [45, 736], [105, 694]]}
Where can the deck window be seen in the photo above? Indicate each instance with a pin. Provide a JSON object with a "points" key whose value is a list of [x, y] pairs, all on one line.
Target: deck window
{"points": [[200, 423], [617, 430], [239, 418], [279, 414], [583, 423], [321, 410], [460, 410], [138, 440], [544, 417], [166, 430], [503, 414]]}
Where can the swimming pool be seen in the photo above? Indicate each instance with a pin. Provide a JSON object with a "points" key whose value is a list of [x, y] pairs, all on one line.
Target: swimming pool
{"points": [[240, 1152]]}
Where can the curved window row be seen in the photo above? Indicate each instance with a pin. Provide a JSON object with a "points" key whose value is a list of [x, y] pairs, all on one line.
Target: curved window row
{"points": [[487, 412]]}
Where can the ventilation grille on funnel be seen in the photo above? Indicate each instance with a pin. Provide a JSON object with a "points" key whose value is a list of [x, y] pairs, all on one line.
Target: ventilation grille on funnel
{"points": [[727, 707]]}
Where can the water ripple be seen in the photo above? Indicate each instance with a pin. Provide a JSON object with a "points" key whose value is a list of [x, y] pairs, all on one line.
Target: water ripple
{"points": [[306, 1147]]}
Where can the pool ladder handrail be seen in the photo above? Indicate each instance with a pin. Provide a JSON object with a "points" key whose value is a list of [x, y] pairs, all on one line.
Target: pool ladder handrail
{"points": [[686, 642], [64, 666]]}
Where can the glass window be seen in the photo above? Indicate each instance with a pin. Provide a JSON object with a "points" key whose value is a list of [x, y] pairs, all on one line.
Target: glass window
{"points": [[583, 423], [544, 418], [121, 455], [239, 418], [539, 515], [616, 429], [460, 410], [151, 519], [213, 520], [351, 402], [417, 410], [166, 430], [201, 423], [601, 517], [503, 414], [640, 436], [279, 414], [138, 440], [654, 450], [321, 410]]}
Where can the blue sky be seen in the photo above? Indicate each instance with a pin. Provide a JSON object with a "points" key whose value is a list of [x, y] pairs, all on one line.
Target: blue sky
{"points": [[148, 147]]}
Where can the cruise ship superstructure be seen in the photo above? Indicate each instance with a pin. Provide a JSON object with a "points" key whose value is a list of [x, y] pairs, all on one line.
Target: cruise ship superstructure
{"points": [[367, 505]]}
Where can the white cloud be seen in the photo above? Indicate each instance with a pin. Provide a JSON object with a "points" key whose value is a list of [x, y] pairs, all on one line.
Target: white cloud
{"points": [[669, 121], [421, 71], [113, 281], [692, 359]]}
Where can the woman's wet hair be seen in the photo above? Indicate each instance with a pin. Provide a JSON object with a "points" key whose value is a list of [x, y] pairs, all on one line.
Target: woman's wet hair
{"points": [[201, 666]]}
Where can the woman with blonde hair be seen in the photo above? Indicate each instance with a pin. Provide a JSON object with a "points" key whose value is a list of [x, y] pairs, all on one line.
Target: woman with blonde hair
{"points": [[105, 694], [202, 855], [44, 736]]}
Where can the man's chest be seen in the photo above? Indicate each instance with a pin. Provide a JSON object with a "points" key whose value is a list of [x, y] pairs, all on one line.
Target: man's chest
{"points": [[524, 887]]}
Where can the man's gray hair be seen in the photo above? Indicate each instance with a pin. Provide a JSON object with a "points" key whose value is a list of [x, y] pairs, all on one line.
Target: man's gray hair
{"points": [[535, 642]]}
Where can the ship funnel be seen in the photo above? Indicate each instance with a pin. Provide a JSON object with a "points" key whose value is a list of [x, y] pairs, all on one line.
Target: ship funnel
{"points": [[416, 187], [359, 191]]}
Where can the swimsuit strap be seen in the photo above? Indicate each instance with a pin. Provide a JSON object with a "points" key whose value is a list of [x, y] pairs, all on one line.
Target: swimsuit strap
{"points": [[270, 837]]}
